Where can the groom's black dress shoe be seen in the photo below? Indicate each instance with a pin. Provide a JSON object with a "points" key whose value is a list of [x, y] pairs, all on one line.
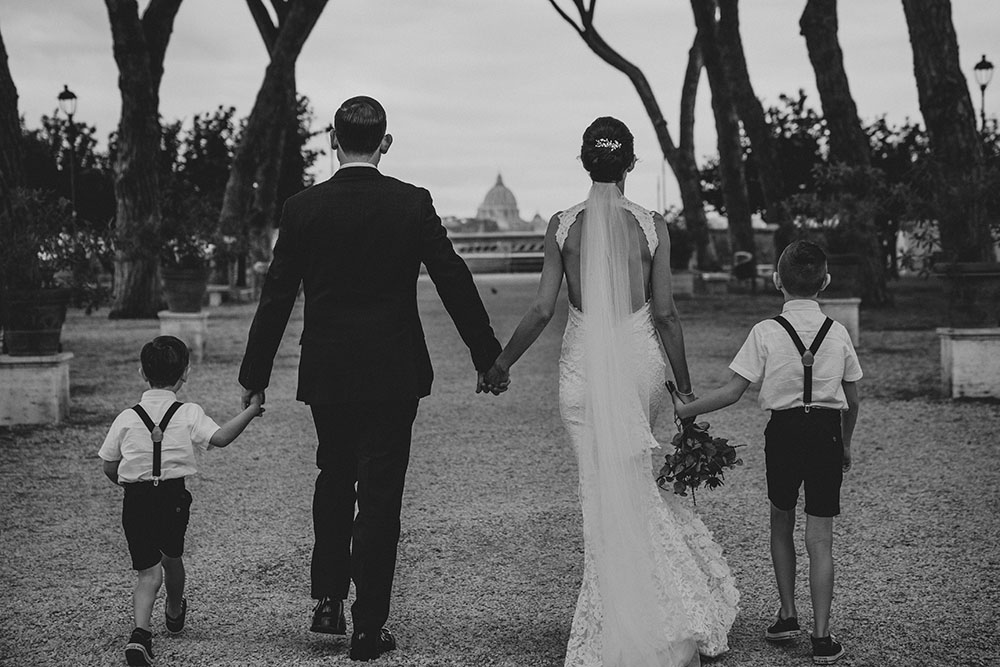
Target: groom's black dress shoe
{"points": [[366, 646], [328, 617]]}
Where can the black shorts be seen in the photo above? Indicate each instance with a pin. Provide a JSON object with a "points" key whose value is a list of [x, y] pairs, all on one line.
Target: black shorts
{"points": [[155, 519], [805, 448]]}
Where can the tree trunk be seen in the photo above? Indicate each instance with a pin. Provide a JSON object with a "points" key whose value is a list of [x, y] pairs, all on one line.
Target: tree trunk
{"points": [[250, 200], [139, 48], [848, 141], [764, 151], [680, 158], [727, 127], [951, 122], [11, 165], [685, 167]]}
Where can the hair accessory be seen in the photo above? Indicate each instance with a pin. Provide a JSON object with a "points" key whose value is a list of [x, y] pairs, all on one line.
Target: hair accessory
{"points": [[610, 144]]}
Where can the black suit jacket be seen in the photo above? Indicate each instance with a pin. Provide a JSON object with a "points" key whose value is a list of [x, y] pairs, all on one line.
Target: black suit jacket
{"points": [[356, 243]]}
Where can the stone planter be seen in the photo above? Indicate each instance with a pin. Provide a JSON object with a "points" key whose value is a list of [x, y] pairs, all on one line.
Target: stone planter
{"points": [[844, 311], [184, 289], [682, 282], [192, 328], [33, 320], [34, 390], [972, 291], [970, 362]]}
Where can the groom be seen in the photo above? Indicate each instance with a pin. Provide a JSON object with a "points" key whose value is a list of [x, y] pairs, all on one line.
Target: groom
{"points": [[356, 242]]}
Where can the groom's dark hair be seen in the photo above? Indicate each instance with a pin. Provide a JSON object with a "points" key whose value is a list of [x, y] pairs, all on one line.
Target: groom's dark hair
{"points": [[359, 124]]}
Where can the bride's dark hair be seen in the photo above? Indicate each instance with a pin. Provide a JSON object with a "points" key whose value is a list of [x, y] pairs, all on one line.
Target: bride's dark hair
{"points": [[608, 149]]}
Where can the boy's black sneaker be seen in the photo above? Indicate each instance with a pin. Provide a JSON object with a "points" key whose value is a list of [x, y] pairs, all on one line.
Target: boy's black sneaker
{"points": [[175, 625], [368, 646], [783, 629], [826, 650], [139, 650]]}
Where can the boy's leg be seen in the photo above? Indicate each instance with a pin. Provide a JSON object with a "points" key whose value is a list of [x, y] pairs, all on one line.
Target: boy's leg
{"points": [[146, 586], [174, 578], [783, 558], [819, 543]]}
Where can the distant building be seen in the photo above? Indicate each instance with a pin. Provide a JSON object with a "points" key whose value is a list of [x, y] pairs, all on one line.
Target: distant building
{"points": [[497, 213], [500, 205]]}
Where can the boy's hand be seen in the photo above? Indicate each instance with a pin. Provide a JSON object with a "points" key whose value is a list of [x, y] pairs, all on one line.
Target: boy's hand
{"points": [[847, 457], [257, 403]]}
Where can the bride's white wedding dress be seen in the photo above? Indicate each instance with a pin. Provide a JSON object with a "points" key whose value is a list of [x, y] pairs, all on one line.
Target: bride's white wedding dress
{"points": [[656, 588]]}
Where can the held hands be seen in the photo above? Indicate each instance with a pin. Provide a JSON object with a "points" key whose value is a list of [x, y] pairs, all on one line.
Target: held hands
{"points": [[495, 381], [680, 400], [254, 399]]}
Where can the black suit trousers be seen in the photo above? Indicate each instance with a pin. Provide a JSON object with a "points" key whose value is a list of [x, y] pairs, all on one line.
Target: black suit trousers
{"points": [[363, 453]]}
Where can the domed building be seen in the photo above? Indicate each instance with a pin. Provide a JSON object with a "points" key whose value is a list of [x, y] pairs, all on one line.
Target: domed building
{"points": [[500, 205]]}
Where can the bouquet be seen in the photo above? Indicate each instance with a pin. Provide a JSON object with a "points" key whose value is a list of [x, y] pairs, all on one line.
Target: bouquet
{"points": [[698, 458]]}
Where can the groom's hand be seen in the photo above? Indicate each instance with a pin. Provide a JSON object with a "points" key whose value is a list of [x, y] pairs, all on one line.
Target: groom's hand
{"points": [[494, 381], [248, 394]]}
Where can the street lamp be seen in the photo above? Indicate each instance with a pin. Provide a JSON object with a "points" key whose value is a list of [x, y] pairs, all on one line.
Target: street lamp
{"points": [[67, 102], [983, 72]]}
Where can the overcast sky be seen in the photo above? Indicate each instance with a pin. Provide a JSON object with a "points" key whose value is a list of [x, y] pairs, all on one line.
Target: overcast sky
{"points": [[473, 87]]}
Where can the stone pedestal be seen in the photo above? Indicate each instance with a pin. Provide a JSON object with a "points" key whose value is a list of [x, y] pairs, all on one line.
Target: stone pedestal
{"points": [[683, 284], [713, 283], [34, 390], [844, 311], [970, 362], [192, 328]]}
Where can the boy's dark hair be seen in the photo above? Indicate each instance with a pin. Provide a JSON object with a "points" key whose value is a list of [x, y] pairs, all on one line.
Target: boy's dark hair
{"points": [[607, 150], [359, 124], [802, 268], [163, 360]]}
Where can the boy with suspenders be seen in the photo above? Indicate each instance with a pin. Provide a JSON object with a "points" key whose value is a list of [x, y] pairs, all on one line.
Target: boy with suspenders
{"points": [[149, 450], [813, 398]]}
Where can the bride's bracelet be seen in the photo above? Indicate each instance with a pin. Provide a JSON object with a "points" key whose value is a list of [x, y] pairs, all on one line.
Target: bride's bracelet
{"points": [[685, 393]]}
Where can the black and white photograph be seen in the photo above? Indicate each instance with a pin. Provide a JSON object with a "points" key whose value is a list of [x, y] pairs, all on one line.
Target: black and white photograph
{"points": [[520, 333]]}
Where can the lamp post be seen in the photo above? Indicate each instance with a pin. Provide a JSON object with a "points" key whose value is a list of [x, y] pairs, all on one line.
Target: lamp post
{"points": [[983, 72], [67, 102]]}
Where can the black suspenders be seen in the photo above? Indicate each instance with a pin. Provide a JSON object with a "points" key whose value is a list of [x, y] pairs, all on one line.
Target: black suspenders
{"points": [[156, 433], [808, 356]]}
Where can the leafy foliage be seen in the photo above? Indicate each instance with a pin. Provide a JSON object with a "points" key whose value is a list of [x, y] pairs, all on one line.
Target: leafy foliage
{"points": [[45, 247]]}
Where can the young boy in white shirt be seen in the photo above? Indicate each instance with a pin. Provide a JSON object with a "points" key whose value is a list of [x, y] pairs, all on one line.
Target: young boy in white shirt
{"points": [[149, 450], [813, 398]]}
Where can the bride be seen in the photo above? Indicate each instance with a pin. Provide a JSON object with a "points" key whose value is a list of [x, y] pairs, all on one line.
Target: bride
{"points": [[656, 590]]}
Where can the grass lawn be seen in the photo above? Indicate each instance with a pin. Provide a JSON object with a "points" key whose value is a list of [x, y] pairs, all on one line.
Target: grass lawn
{"points": [[491, 551]]}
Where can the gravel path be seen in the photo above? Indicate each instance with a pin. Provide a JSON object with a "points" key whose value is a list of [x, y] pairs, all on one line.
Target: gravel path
{"points": [[490, 556]]}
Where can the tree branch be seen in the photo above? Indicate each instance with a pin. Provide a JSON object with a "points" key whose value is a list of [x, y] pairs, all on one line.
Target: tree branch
{"points": [[566, 16], [689, 94], [265, 26], [157, 24]]}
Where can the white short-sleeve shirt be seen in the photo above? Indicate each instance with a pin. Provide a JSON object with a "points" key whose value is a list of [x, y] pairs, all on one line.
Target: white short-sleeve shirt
{"points": [[129, 441], [770, 357]]}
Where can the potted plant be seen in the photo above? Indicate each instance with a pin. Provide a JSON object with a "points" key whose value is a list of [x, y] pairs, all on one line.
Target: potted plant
{"points": [[681, 252], [48, 260], [189, 235], [968, 269]]}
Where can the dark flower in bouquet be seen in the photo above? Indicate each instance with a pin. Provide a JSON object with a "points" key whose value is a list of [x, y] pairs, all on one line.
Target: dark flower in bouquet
{"points": [[699, 458]]}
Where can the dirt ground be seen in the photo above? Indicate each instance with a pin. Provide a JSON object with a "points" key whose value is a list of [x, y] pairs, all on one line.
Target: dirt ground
{"points": [[491, 552]]}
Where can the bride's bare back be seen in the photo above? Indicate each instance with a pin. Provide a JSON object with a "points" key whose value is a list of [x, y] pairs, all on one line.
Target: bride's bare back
{"points": [[640, 261]]}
